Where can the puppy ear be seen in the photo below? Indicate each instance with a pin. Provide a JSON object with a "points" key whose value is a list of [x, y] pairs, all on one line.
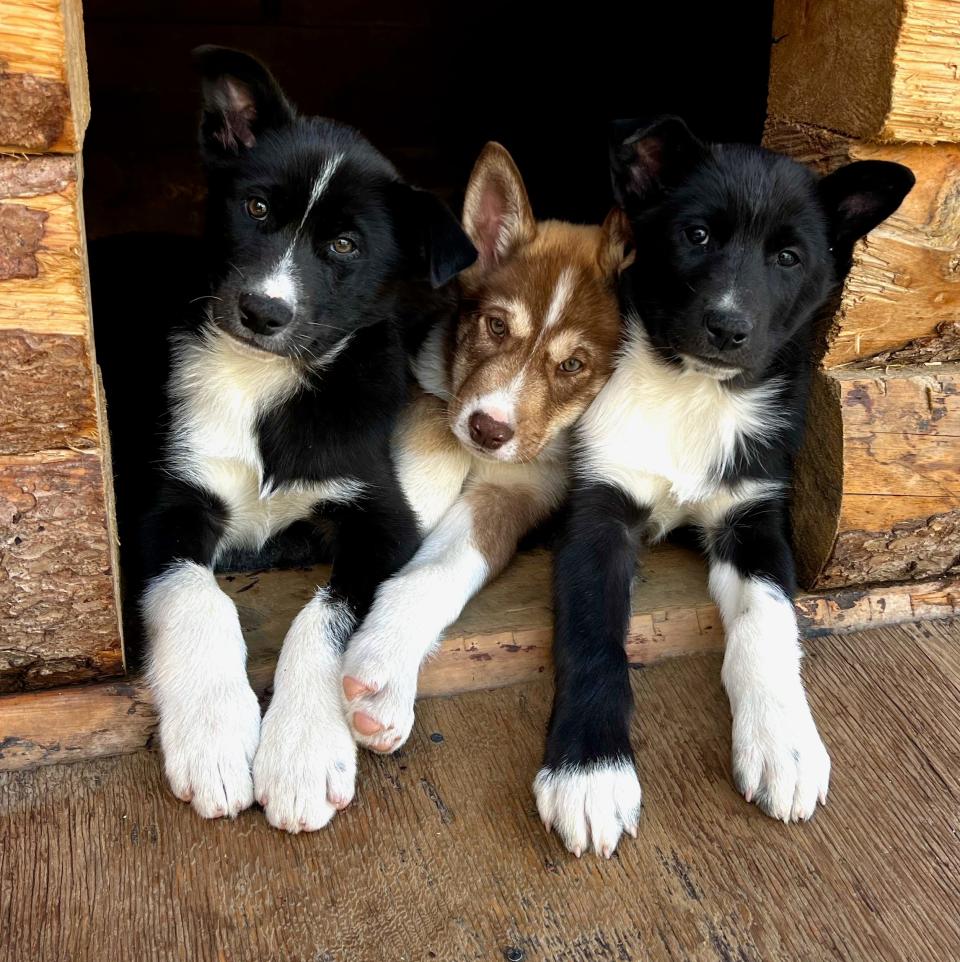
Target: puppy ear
{"points": [[240, 101], [648, 158], [440, 248], [861, 195], [616, 247], [496, 210]]}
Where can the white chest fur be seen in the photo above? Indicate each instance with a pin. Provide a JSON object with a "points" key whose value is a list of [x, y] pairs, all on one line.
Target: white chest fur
{"points": [[666, 435], [218, 390]]}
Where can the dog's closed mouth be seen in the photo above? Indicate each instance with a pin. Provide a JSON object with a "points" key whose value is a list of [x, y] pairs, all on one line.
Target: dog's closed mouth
{"points": [[705, 365]]}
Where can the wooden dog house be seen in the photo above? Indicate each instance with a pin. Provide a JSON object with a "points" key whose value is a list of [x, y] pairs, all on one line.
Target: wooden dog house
{"points": [[877, 513]]}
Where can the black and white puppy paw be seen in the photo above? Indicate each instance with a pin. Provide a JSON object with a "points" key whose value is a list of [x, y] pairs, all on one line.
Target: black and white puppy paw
{"points": [[590, 806]]}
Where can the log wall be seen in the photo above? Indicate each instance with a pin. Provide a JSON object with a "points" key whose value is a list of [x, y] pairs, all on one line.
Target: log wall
{"points": [[58, 581], [878, 485]]}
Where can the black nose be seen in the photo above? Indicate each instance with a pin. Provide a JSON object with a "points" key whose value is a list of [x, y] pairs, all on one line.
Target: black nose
{"points": [[488, 433], [262, 314], [727, 330]]}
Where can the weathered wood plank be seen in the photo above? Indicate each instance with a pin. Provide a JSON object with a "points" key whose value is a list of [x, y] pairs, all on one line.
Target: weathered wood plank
{"points": [[905, 277], [442, 855], [502, 639], [44, 99], [873, 69], [58, 613]]}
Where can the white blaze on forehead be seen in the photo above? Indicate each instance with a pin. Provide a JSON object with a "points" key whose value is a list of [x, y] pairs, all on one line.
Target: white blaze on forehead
{"points": [[322, 182], [281, 282], [560, 299]]}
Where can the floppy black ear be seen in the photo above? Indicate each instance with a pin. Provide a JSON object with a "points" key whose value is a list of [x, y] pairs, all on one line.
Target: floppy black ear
{"points": [[240, 101], [441, 248], [863, 194], [646, 158]]}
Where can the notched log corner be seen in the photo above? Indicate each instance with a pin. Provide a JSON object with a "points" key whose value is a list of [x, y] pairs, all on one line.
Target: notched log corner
{"points": [[912, 550], [21, 234], [33, 111]]}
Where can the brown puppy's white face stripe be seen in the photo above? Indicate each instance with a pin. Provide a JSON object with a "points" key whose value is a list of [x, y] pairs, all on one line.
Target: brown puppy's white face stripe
{"points": [[541, 323]]}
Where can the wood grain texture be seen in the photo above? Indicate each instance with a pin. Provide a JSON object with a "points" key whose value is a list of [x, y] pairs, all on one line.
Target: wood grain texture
{"points": [[442, 855], [905, 279], [58, 616], [888, 441], [44, 99], [872, 69], [52, 296], [503, 639]]}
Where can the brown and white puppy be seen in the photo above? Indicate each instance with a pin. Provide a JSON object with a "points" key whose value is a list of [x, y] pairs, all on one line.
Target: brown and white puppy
{"points": [[482, 452]]}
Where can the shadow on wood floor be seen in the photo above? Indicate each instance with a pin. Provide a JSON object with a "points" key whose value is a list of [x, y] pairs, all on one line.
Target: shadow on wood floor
{"points": [[443, 856]]}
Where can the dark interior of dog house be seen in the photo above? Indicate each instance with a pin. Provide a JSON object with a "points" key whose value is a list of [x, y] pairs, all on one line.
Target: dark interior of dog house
{"points": [[429, 83]]}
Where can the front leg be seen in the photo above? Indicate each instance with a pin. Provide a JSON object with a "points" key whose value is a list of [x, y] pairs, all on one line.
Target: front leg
{"points": [[779, 760], [305, 768], [209, 717], [587, 788], [472, 543]]}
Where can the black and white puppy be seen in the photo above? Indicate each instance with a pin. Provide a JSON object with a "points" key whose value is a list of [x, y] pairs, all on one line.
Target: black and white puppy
{"points": [[282, 404], [737, 249]]}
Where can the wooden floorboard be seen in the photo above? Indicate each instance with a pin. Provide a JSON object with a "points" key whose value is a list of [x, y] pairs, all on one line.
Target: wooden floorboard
{"points": [[443, 857]]}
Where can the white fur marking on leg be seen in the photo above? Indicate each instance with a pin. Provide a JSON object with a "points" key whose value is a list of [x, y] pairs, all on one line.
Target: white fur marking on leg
{"points": [[410, 612], [209, 715], [305, 767], [590, 807], [779, 760]]}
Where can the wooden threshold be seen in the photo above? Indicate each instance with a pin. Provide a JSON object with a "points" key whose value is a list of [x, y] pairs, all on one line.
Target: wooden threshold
{"points": [[502, 638]]}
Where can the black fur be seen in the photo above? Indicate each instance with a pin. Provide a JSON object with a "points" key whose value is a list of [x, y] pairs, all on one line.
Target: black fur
{"points": [[383, 296], [750, 205]]}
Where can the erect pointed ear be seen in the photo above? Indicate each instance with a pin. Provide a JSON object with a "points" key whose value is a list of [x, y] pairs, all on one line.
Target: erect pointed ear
{"points": [[240, 101], [496, 210], [861, 195], [616, 247], [646, 158], [425, 224]]}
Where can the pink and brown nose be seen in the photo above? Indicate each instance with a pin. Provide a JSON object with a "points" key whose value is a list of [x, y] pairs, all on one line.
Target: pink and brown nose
{"points": [[487, 432]]}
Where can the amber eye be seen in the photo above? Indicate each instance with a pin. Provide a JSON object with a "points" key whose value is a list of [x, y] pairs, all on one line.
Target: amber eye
{"points": [[257, 208], [343, 245], [497, 326], [698, 236], [788, 258], [571, 365]]}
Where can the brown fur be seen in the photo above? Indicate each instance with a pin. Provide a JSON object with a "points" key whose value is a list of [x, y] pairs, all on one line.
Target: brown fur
{"points": [[516, 279]]}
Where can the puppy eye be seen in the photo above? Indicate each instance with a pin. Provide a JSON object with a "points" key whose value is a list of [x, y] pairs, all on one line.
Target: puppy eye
{"points": [[257, 208], [571, 365], [497, 326], [698, 236], [343, 245], [788, 258]]}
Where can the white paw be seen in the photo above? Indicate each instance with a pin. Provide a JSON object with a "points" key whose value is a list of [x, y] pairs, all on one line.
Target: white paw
{"points": [[208, 745], [779, 761], [305, 768], [590, 807], [379, 685]]}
